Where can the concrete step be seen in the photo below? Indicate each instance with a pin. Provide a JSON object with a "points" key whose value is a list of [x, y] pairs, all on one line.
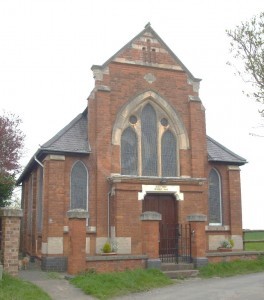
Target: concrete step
{"points": [[181, 273], [176, 267]]}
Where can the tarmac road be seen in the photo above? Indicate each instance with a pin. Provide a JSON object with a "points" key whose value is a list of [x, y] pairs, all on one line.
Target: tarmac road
{"points": [[243, 287]]}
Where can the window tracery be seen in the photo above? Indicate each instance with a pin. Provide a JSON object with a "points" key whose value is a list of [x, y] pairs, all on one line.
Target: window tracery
{"points": [[148, 143]]}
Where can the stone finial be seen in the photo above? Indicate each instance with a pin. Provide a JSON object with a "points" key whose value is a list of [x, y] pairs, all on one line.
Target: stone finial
{"points": [[147, 25]]}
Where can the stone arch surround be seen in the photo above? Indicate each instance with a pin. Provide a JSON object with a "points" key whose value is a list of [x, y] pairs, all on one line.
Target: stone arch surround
{"points": [[163, 104]]}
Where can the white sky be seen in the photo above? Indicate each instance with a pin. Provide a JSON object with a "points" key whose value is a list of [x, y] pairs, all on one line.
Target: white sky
{"points": [[48, 47]]}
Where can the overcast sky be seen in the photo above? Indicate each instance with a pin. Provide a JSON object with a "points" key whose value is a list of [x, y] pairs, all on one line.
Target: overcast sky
{"points": [[47, 49]]}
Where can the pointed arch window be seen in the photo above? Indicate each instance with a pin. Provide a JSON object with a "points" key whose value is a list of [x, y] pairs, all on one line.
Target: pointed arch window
{"points": [[79, 186], [168, 154], [215, 201], [129, 152], [148, 143]]}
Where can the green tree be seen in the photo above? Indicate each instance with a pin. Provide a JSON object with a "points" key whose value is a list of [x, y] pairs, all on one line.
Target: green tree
{"points": [[247, 48], [11, 146], [7, 183]]}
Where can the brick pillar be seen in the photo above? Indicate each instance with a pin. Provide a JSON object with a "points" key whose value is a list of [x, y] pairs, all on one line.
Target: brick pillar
{"points": [[150, 237], [235, 207], [77, 240], [198, 245], [11, 219]]}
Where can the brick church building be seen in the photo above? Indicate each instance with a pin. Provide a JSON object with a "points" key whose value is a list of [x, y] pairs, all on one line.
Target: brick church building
{"points": [[135, 169]]}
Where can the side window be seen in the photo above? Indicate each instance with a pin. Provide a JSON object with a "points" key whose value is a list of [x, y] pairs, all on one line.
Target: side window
{"points": [[215, 201], [129, 152], [79, 186]]}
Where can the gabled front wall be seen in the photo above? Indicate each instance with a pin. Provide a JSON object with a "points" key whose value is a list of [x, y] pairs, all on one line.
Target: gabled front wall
{"points": [[114, 202]]}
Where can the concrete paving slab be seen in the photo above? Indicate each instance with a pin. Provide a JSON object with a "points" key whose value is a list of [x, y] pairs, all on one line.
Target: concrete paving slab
{"points": [[52, 283]]}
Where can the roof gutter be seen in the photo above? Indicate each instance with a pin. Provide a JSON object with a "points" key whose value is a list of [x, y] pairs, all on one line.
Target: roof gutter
{"points": [[35, 157]]}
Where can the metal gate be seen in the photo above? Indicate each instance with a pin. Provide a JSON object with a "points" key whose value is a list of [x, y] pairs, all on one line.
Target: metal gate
{"points": [[175, 243]]}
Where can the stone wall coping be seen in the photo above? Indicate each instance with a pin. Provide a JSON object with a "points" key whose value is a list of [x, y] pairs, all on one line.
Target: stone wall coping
{"points": [[234, 253], [116, 257], [11, 212], [197, 218], [77, 214], [150, 216]]}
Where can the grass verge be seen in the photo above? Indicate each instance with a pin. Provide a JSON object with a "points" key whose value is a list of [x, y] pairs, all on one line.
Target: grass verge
{"points": [[107, 285], [225, 269], [254, 246], [17, 289]]}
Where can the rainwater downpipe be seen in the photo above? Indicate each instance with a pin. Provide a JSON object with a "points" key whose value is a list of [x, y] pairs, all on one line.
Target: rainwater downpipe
{"points": [[35, 157], [108, 214]]}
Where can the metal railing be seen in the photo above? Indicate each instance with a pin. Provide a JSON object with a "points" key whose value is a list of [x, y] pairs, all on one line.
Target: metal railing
{"points": [[175, 243]]}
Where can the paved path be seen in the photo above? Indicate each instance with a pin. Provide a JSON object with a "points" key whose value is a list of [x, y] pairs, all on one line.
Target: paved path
{"points": [[52, 283]]}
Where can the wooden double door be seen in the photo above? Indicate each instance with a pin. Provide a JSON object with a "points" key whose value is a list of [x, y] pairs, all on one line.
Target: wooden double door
{"points": [[166, 205], [175, 238]]}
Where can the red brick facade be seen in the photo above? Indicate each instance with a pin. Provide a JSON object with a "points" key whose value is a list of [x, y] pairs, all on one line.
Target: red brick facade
{"points": [[144, 72]]}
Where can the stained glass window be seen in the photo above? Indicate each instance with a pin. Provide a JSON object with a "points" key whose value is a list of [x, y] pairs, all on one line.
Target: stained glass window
{"points": [[146, 150], [215, 205], [168, 154], [149, 141], [129, 152], [79, 186]]}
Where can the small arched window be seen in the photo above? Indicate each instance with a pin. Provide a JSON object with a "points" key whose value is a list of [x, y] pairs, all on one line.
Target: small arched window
{"points": [[215, 201], [168, 154], [79, 186], [129, 152]]}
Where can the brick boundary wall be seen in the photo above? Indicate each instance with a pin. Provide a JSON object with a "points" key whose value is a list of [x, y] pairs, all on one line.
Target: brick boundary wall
{"points": [[11, 219], [215, 257], [116, 263]]}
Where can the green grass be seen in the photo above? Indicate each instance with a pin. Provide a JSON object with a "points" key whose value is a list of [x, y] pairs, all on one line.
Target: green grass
{"points": [[254, 246], [254, 235], [226, 269], [107, 285], [16, 289]]}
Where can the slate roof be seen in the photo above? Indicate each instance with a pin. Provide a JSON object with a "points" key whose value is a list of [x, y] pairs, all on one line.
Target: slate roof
{"points": [[219, 153], [72, 139]]}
